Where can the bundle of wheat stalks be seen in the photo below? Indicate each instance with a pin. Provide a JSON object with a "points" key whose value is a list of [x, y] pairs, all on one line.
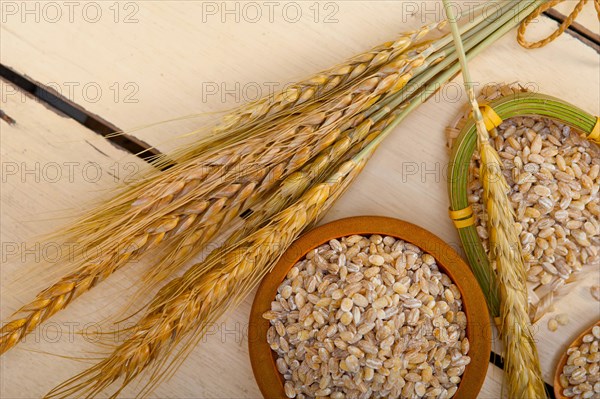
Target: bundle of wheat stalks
{"points": [[287, 158]]}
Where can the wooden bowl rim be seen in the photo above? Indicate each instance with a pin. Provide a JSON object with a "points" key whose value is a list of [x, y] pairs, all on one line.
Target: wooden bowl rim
{"points": [[262, 357], [563, 360]]}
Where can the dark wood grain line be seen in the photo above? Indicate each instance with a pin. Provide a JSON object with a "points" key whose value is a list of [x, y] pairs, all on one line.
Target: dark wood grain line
{"points": [[576, 30], [64, 106]]}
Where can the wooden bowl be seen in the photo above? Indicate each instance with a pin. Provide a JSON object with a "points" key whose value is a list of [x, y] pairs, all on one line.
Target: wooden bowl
{"points": [[478, 331], [563, 360]]}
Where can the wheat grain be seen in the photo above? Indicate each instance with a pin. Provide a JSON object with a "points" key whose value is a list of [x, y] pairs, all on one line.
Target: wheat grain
{"points": [[595, 291], [562, 319], [580, 376], [552, 324]]}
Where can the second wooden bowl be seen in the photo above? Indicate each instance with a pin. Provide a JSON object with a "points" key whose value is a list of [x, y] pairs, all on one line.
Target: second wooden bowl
{"points": [[558, 389], [263, 358]]}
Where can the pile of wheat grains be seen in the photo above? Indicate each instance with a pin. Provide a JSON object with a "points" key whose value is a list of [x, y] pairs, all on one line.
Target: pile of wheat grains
{"points": [[553, 174], [580, 376], [368, 317]]}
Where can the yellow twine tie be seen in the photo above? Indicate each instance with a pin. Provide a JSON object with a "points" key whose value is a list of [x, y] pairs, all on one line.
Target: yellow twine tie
{"points": [[595, 133], [490, 117], [463, 217], [563, 27]]}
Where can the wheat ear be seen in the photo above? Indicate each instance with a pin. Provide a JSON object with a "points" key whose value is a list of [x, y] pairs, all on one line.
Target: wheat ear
{"points": [[312, 134], [168, 207], [59, 295], [318, 85], [278, 145], [185, 306], [521, 362]]}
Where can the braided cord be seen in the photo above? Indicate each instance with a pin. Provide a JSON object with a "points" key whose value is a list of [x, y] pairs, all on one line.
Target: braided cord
{"points": [[559, 31]]}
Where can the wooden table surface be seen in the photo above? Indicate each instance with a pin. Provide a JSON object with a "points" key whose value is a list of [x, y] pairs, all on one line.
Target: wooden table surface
{"points": [[134, 63]]}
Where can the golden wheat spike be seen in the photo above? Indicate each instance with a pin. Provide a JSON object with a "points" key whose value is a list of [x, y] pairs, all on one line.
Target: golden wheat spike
{"points": [[521, 362], [320, 84]]}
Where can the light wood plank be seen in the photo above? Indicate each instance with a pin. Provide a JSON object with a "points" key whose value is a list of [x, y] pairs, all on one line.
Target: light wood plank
{"points": [[195, 58], [492, 387]]}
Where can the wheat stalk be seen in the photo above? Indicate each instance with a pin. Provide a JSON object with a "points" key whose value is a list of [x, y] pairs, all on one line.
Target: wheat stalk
{"points": [[414, 65], [207, 151], [56, 297], [190, 203], [318, 114], [183, 308], [277, 147], [521, 362], [214, 214], [286, 191]]}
